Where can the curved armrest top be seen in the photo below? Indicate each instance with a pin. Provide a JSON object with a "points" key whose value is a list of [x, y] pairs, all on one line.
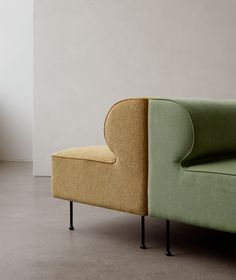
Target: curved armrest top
{"points": [[125, 128]]}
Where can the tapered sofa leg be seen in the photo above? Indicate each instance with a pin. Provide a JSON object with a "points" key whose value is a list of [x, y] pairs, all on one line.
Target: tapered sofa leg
{"points": [[168, 252], [71, 216], [142, 244]]}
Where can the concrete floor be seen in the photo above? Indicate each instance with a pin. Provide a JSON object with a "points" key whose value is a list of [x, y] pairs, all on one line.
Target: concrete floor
{"points": [[36, 243]]}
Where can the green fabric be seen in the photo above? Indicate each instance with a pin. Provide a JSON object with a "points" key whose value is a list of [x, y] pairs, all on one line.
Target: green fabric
{"points": [[224, 166], [192, 162], [214, 128]]}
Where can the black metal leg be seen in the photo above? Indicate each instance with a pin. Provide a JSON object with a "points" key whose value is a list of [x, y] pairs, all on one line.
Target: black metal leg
{"points": [[168, 252], [71, 216], [143, 245]]}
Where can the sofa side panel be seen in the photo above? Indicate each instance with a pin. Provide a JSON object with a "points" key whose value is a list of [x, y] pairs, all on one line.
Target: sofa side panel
{"points": [[170, 139]]}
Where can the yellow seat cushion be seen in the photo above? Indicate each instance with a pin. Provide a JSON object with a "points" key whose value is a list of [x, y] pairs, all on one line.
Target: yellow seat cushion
{"points": [[93, 153]]}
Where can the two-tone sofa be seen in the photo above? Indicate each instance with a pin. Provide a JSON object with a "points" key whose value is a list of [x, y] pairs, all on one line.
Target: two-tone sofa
{"points": [[170, 159]]}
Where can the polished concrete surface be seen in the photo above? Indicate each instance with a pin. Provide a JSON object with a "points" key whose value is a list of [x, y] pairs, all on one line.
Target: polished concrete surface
{"points": [[35, 242]]}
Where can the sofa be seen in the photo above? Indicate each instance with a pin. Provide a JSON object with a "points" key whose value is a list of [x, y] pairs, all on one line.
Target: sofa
{"points": [[168, 158], [113, 176], [192, 162]]}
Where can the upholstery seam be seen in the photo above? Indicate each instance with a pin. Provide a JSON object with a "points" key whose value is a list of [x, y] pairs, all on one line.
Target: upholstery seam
{"points": [[209, 172], [92, 160]]}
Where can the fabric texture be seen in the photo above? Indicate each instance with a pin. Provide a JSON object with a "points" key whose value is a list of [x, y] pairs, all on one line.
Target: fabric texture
{"points": [[112, 176], [192, 162], [93, 153], [221, 166]]}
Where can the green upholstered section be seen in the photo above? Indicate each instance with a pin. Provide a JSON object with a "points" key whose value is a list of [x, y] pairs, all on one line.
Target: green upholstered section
{"points": [[222, 166], [214, 128], [192, 162]]}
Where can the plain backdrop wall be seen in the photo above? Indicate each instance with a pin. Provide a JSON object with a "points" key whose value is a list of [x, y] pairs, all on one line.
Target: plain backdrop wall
{"points": [[16, 79], [91, 53]]}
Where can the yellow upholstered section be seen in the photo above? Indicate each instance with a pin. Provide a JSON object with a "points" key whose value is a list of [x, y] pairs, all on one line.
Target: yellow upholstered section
{"points": [[112, 176], [93, 153]]}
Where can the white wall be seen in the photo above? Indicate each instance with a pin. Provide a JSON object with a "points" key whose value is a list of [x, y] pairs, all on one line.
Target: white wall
{"points": [[16, 79], [90, 53]]}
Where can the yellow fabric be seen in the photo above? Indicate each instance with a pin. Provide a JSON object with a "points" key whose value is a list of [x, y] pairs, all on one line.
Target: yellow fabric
{"points": [[114, 177], [93, 153]]}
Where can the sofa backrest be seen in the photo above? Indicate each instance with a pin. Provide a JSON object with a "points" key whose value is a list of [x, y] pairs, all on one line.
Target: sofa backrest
{"points": [[125, 131], [208, 127]]}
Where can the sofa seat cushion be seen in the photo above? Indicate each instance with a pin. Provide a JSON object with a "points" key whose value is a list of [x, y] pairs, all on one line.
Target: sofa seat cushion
{"points": [[207, 195], [93, 176], [224, 166], [92, 153]]}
